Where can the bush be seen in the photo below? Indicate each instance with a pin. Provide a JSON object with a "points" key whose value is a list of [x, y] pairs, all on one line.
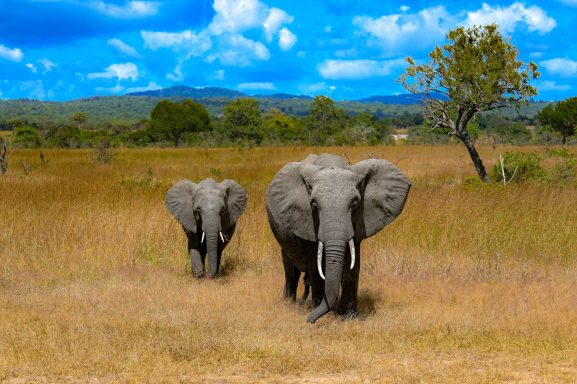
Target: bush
{"points": [[27, 137], [519, 166]]}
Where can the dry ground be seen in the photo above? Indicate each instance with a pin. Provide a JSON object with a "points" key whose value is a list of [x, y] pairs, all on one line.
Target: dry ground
{"points": [[468, 285]]}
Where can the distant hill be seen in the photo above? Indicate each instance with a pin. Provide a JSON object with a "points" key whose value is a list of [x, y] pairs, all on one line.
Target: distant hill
{"points": [[103, 111], [190, 92]]}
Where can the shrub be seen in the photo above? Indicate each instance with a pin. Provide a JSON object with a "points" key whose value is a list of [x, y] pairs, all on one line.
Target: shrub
{"points": [[27, 137], [519, 166]]}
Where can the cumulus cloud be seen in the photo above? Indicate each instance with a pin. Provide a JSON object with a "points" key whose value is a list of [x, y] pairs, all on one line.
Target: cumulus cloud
{"points": [[31, 67], [35, 90], [552, 86], [358, 69], [398, 30], [123, 48], [276, 18], [123, 71], [508, 18], [265, 86], [131, 9], [286, 39], [316, 88], [561, 67], [236, 15], [14, 54], [235, 49], [152, 86], [429, 26]]}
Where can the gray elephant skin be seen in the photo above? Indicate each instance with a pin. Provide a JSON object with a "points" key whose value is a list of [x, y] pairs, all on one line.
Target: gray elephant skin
{"points": [[319, 211], [208, 212]]}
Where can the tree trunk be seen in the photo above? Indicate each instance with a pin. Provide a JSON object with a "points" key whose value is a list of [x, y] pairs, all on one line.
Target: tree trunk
{"points": [[479, 166], [564, 139]]}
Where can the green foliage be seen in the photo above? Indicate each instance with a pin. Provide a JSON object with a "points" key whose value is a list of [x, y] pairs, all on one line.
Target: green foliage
{"points": [[325, 120], [242, 121], [172, 120], [561, 118], [283, 129], [520, 166], [423, 134], [79, 118], [26, 137], [64, 137]]}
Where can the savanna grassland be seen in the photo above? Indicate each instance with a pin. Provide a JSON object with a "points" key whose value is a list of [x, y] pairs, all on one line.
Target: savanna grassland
{"points": [[469, 284]]}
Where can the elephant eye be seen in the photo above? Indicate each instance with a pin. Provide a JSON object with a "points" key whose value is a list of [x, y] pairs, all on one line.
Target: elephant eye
{"points": [[314, 204], [198, 211], [354, 204]]}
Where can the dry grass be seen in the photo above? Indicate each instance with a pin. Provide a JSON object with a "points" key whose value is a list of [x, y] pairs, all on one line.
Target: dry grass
{"points": [[468, 285]]}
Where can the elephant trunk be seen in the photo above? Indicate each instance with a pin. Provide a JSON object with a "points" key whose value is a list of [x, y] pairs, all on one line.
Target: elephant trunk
{"points": [[334, 258], [212, 234]]}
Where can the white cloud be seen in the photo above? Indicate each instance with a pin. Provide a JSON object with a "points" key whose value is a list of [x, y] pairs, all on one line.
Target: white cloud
{"points": [[561, 67], [150, 87], [123, 48], [286, 39], [218, 74], [276, 18], [121, 72], [552, 86], [131, 9], [47, 64], [14, 54], [31, 67], [423, 28], [266, 86], [404, 8], [509, 17], [177, 74], [35, 89], [190, 43], [358, 69], [429, 26], [316, 88], [235, 49], [237, 15]]}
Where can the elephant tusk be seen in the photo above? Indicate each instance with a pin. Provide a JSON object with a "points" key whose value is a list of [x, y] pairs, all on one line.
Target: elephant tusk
{"points": [[202, 238], [352, 248], [320, 260], [221, 236]]}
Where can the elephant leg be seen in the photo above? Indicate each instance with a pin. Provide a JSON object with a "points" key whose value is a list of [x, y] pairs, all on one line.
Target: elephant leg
{"points": [[307, 287], [292, 275], [317, 284], [350, 285], [196, 263]]}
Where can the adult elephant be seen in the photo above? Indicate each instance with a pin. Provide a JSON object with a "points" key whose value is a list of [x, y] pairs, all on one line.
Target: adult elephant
{"points": [[208, 212], [324, 207]]}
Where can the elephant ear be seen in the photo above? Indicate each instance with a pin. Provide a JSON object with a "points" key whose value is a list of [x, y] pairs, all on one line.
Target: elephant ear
{"points": [[179, 203], [385, 191], [288, 201], [236, 200]]}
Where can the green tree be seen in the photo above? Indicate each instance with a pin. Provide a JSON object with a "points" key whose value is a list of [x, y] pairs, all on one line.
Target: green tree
{"points": [[325, 119], [476, 71], [281, 128], [79, 118], [67, 136], [242, 121], [172, 120], [562, 117], [27, 137]]}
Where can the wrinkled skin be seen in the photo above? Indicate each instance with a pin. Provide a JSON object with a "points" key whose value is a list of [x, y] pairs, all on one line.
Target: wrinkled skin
{"points": [[207, 207], [324, 200]]}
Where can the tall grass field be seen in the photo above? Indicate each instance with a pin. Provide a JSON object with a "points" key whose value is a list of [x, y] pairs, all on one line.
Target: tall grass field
{"points": [[471, 284]]}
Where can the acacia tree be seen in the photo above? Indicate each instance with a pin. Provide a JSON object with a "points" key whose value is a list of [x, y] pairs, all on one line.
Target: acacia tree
{"points": [[476, 71], [562, 117]]}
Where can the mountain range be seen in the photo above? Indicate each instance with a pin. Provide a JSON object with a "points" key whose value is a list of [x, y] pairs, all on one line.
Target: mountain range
{"points": [[133, 107]]}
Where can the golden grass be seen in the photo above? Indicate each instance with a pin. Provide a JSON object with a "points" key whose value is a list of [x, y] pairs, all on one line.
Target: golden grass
{"points": [[468, 285]]}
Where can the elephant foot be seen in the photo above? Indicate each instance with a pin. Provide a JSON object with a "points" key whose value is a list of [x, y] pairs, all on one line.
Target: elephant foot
{"points": [[347, 312], [199, 276]]}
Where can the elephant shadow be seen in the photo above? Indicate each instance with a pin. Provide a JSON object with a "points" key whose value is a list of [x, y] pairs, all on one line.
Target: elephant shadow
{"points": [[366, 307]]}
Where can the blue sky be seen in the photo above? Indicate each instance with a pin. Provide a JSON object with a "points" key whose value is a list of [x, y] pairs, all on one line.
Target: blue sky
{"points": [[66, 49]]}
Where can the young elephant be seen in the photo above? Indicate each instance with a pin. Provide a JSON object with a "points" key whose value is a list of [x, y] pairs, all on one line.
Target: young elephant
{"points": [[208, 212], [324, 207]]}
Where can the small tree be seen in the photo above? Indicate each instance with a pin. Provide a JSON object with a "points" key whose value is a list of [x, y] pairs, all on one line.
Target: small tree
{"points": [[476, 71], [172, 120], [325, 119], [242, 120], [27, 137], [562, 117], [79, 118]]}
